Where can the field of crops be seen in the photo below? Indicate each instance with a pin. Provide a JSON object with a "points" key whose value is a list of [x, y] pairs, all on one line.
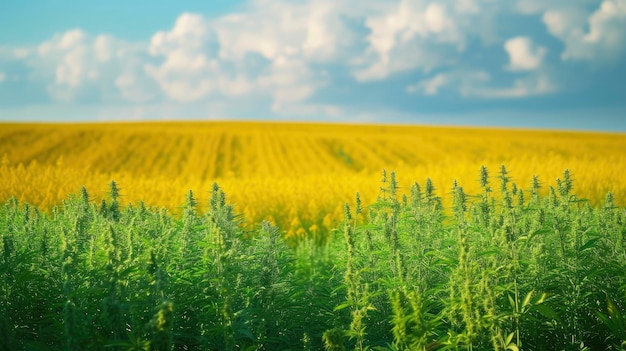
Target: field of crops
{"points": [[506, 270], [295, 175], [286, 236]]}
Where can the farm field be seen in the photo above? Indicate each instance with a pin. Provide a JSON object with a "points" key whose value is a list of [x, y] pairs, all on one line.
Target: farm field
{"points": [[313, 175], [296, 175], [286, 236], [502, 271]]}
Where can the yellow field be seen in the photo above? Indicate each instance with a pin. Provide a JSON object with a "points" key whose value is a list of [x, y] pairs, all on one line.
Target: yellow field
{"points": [[296, 174]]}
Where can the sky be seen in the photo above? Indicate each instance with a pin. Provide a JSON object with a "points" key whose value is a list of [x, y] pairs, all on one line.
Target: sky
{"points": [[513, 63]]}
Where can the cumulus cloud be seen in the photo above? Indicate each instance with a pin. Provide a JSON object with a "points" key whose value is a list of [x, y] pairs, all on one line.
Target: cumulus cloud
{"points": [[480, 84], [274, 50], [459, 81], [290, 80], [521, 88], [400, 38], [289, 56], [133, 89], [78, 66], [430, 86], [318, 31], [523, 54], [599, 35], [422, 35], [70, 53], [606, 25], [104, 48], [20, 53], [271, 31], [186, 72]]}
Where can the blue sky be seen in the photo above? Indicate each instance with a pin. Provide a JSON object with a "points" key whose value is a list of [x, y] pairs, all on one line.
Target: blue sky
{"points": [[522, 63]]}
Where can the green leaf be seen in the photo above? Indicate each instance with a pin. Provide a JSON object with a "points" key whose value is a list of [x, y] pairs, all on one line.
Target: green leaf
{"points": [[488, 252], [342, 306], [616, 315], [247, 333], [608, 323], [589, 244], [511, 301], [547, 311], [512, 347], [509, 338], [527, 298], [540, 299]]}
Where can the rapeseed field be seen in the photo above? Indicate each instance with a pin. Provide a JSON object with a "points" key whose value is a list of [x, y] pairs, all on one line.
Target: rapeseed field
{"points": [[296, 175]]}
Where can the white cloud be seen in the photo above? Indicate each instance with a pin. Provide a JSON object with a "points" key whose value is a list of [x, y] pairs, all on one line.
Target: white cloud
{"points": [[190, 33], [565, 24], [269, 51], [430, 86], [523, 54], [3, 77], [400, 39], [20, 53], [315, 31], [282, 55], [605, 38], [459, 80], [521, 88], [186, 72], [235, 86], [479, 84], [104, 48], [278, 33], [65, 59], [326, 35], [291, 81], [272, 50], [74, 65], [422, 35], [133, 90], [608, 24], [70, 53]]}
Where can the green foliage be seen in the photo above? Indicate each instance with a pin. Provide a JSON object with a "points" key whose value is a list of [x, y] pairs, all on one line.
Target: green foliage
{"points": [[495, 271]]}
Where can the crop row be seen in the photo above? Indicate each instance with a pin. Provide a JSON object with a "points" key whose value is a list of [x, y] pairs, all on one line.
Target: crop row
{"points": [[504, 268], [293, 175]]}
